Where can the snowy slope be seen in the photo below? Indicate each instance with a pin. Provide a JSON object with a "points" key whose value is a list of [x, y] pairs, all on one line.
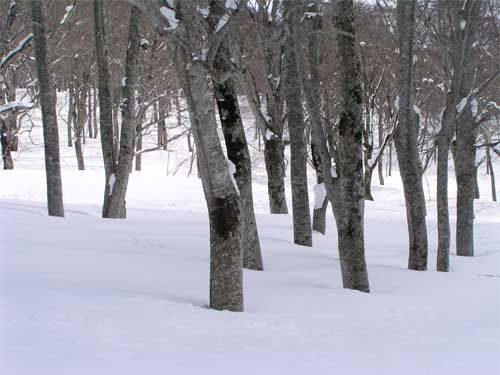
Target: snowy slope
{"points": [[84, 295]]}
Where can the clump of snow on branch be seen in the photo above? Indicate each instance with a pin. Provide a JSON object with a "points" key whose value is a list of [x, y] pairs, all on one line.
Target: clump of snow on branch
{"points": [[461, 105], [222, 22], [13, 106], [333, 171], [269, 134], [169, 14], [473, 106], [17, 49], [231, 5], [67, 13]]}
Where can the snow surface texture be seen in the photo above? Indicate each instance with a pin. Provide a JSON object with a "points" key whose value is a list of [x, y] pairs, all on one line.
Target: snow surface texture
{"points": [[85, 295]]}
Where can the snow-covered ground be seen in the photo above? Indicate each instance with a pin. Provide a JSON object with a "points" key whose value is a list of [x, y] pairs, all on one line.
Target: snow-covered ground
{"points": [[84, 295]]}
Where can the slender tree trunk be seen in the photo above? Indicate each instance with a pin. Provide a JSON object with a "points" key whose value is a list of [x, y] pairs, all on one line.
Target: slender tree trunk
{"points": [[350, 217], [461, 42], [117, 207], [302, 231], [90, 115], [138, 147], [79, 121], [380, 166], [105, 105], [313, 101], [94, 111], [443, 251], [465, 160], [405, 139], [465, 165], [49, 117], [71, 109]]}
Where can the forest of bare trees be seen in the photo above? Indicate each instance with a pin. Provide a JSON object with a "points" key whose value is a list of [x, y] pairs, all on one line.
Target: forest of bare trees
{"points": [[348, 89]]}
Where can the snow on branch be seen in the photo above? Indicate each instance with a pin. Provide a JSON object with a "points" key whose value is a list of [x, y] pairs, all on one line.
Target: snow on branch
{"points": [[15, 106], [21, 45], [68, 12]]}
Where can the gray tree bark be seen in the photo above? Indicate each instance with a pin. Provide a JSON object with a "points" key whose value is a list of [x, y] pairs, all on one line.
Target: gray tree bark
{"points": [[236, 143], [118, 191], [406, 139], [226, 273], [105, 103], [350, 214], [302, 231], [49, 118], [460, 40], [313, 101]]}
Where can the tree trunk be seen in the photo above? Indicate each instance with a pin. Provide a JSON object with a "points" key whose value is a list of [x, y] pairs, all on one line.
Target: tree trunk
{"points": [[79, 121], [313, 101], [105, 104], [406, 140], [302, 231], [49, 117], [380, 166], [460, 40], [90, 115], [465, 165], [274, 151], [226, 272], [237, 148], [226, 276], [118, 190], [71, 108], [6, 140], [443, 251], [350, 217], [138, 147]]}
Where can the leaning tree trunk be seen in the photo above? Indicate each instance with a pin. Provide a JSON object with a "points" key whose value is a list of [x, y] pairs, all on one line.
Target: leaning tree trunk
{"points": [[221, 195], [350, 217], [49, 118], [237, 151], [226, 276], [302, 232], [118, 190], [405, 139]]}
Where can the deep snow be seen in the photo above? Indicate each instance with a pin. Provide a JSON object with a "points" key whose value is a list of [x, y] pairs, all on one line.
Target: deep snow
{"points": [[84, 295]]}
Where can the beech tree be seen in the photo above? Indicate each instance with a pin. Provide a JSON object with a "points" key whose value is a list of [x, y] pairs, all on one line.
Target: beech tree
{"points": [[302, 231], [405, 138], [49, 117]]}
